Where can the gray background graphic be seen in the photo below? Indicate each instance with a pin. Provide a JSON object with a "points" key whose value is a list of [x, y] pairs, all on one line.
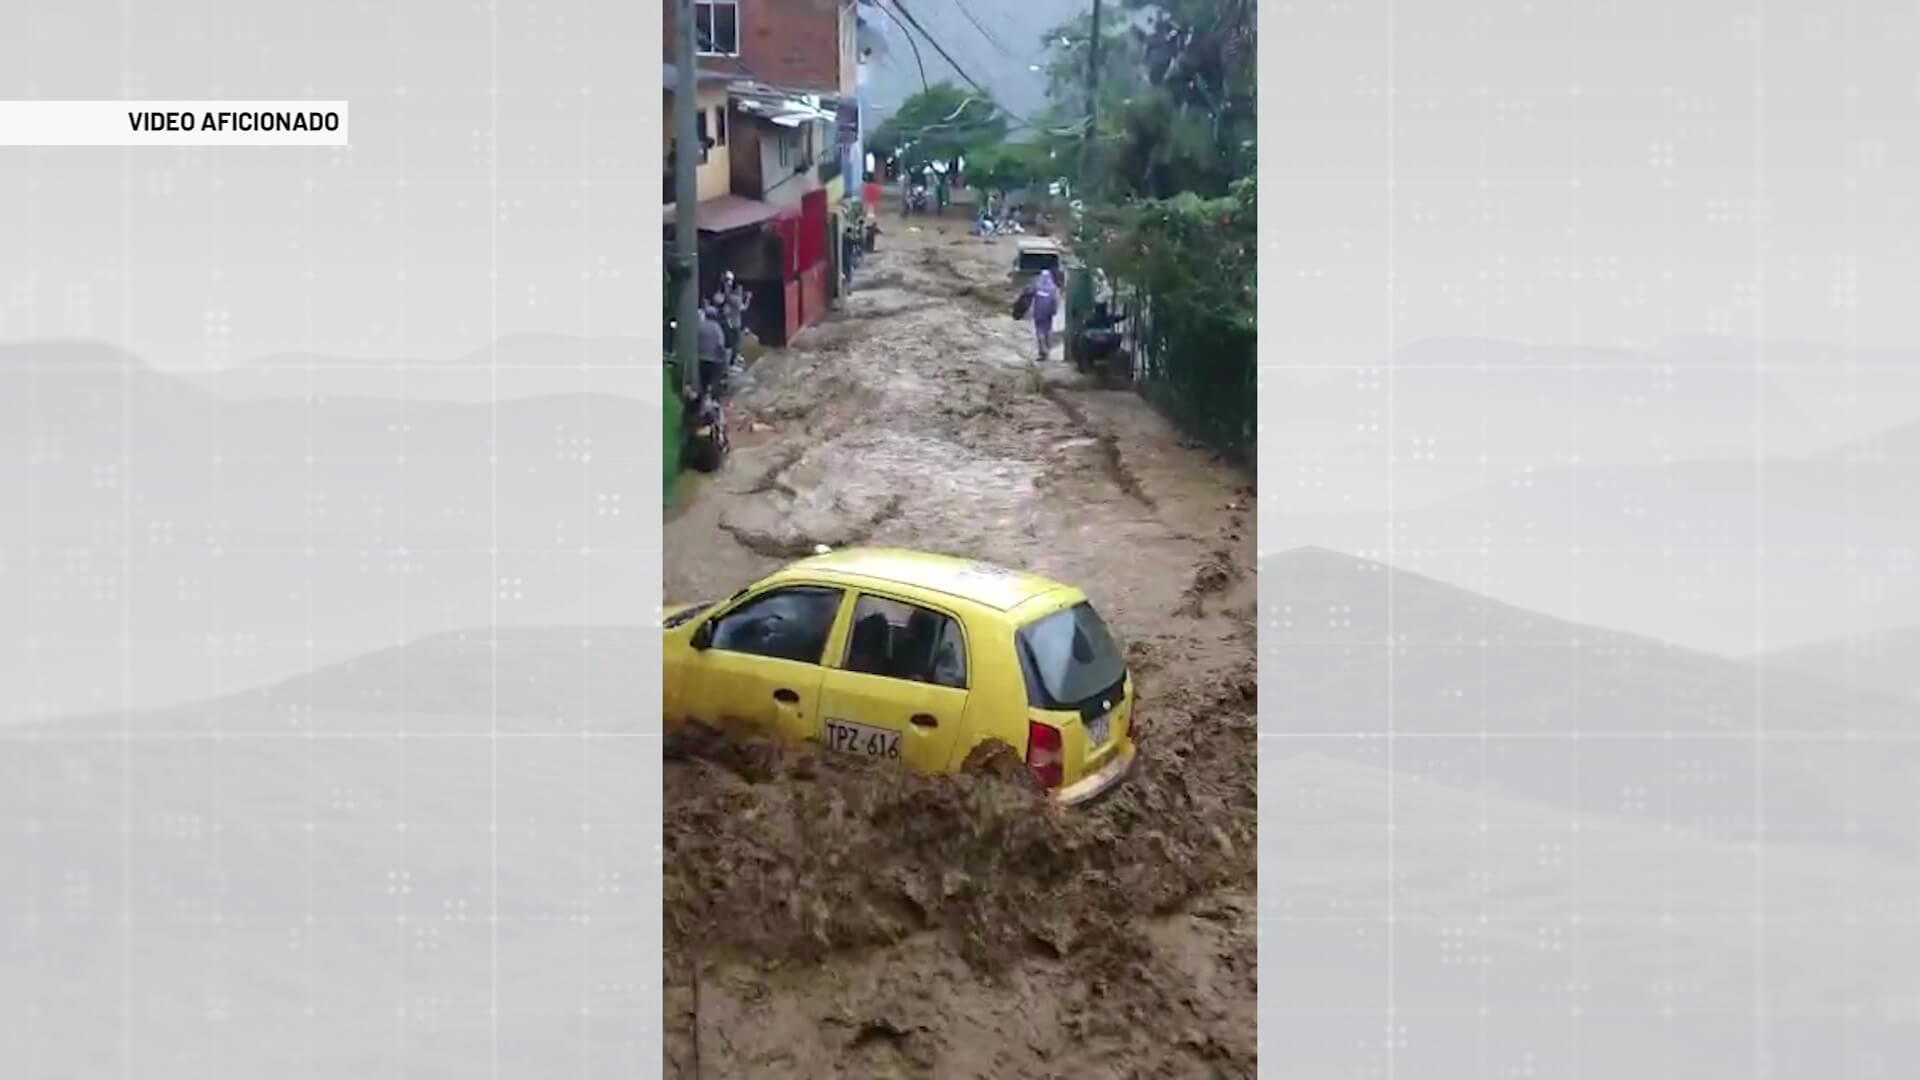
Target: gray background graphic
{"points": [[329, 501], [1591, 418]]}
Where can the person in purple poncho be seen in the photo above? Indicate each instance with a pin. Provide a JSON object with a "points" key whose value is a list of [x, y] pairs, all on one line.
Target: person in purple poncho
{"points": [[1046, 303]]}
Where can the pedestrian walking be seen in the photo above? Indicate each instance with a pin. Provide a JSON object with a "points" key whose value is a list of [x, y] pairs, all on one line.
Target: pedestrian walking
{"points": [[1046, 303]]}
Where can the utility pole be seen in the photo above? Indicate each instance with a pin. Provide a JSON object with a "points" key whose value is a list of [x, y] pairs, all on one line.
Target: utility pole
{"points": [[1093, 101], [686, 195]]}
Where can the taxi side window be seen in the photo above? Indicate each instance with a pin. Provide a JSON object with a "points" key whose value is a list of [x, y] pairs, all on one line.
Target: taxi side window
{"points": [[905, 641], [785, 624]]}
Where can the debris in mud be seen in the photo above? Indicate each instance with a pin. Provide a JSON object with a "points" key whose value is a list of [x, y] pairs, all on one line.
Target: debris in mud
{"points": [[1111, 459], [787, 852], [1215, 574], [998, 760], [873, 1031], [798, 532], [752, 759], [988, 297], [852, 919], [769, 479], [1143, 657]]}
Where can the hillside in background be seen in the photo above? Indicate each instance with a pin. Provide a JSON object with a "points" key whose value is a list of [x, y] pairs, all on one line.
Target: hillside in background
{"points": [[516, 366], [1463, 413], [1594, 721], [1887, 662], [233, 542], [1720, 494]]}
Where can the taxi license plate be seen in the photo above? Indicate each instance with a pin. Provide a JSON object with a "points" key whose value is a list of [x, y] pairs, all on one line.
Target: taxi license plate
{"points": [[1098, 730], [860, 740]]}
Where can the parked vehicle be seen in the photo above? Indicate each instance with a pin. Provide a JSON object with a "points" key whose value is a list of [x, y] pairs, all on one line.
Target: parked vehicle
{"points": [[706, 443], [908, 657], [1100, 347], [1036, 255]]}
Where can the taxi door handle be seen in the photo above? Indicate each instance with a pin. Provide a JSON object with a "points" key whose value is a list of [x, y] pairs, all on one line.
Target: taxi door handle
{"points": [[786, 697], [924, 720]]}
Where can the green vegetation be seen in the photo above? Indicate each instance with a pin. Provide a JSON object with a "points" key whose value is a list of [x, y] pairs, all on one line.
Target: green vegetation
{"points": [[1177, 97], [941, 123], [1012, 167], [1190, 265], [1122, 67], [1172, 209]]}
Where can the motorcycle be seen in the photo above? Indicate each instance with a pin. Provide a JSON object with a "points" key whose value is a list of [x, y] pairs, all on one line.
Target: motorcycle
{"points": [[706, 432], [1101, 343]]}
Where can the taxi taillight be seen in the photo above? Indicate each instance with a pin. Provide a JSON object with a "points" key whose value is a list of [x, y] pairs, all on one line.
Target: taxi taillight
{"points": [[1045, 754]]}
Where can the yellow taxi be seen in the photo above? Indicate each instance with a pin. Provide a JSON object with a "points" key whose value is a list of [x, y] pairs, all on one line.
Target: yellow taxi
{"points": [[910, 657]]}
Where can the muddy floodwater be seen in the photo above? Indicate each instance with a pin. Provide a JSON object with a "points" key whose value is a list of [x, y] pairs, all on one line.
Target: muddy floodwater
{"points": [[830, 918]]}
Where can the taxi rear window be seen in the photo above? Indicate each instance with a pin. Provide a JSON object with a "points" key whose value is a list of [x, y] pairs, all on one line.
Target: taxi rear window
{"points": [[1070, 658]]}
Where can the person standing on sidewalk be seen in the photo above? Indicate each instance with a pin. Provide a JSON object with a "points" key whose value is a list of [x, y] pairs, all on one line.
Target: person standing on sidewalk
{"points": [[712, 350], [734, 299], [1046, 304]]}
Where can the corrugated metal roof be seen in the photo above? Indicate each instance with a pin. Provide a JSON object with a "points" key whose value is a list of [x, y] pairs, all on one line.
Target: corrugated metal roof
{"points": [[785, 109]]}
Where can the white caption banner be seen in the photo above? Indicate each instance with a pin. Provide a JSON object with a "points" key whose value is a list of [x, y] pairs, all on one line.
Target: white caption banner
{"points": [[173, 123]]}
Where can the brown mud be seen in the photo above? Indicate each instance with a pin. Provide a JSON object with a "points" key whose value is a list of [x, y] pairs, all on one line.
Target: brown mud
{"points": [[827, 917]]}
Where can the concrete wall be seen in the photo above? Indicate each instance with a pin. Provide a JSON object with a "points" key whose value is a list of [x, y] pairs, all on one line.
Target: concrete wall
{"points": [[713, 175]]}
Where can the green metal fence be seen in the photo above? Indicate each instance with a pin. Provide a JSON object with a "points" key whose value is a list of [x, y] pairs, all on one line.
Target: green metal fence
{"points": [[1198, 369]]}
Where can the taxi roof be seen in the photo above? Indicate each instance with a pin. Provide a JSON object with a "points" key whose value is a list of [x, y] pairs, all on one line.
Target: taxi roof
{"points": [[968, 579]]}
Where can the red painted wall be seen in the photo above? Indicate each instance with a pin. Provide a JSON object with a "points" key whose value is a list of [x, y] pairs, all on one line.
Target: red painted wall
{"points": [[813, 228], [813, 294]]}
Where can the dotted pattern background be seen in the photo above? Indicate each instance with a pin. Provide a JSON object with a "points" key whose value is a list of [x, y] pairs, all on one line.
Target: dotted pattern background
{"points": [[329, 550], [1590, 398]]}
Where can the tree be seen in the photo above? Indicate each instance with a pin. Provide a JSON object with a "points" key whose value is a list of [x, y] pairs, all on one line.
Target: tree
{"points": [[1011, 167], [941, 123], [1121, 64], [1177, 98], [1201, 54], [1172, 208]]}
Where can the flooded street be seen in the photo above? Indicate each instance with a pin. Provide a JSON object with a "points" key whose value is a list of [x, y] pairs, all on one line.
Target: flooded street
{"points": [[828, 918]]}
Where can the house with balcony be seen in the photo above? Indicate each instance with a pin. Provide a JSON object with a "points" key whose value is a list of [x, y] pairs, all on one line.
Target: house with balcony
{"points": [[806, 46], [775, 88]]}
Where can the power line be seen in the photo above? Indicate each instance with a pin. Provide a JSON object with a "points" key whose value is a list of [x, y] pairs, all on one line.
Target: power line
{"points": [[1019, 120], [910, 42], [901, 6]]}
